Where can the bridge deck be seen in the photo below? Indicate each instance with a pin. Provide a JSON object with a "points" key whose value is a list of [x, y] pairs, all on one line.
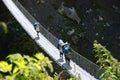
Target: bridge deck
{"points": [[48, 47]]}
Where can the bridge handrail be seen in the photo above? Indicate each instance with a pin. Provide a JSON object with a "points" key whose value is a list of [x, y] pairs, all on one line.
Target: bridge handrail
{"points": [[83, 62]]}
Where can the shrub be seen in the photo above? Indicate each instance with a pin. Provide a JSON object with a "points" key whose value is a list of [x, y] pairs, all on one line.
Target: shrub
{"points": [[19, 67], [108, 62]]}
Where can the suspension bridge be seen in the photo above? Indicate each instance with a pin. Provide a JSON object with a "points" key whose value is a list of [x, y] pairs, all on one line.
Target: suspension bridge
{"points": [[79, 65]]}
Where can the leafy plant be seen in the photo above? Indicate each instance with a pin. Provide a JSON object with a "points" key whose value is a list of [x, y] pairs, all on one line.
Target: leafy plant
{"points": [[24, 67], [106, 60]]}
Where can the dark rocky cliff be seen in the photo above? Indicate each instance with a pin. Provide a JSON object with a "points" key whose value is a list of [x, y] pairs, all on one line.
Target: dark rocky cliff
{"points": [[100, 20]]}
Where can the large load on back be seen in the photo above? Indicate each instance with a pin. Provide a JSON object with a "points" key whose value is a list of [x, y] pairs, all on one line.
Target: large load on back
{"points": [[66, 48], [67, 52], [60, 43]]}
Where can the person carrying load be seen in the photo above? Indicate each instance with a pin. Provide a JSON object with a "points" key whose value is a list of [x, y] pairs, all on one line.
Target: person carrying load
{"points": [[37, 28], [60, 44], [67, 52]]}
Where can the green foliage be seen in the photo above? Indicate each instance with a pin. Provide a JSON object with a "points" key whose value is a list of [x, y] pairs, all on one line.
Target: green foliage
{"points": [[4, 26], [106, 60], [5, 67], [73, 78], [18, 67], [24, 67]]}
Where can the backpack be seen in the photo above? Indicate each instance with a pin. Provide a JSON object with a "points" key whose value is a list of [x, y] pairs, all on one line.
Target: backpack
{"points": [[60, 43], [66, 50]]}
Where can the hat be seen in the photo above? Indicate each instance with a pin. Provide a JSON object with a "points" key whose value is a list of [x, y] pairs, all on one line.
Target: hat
{"points": [[36, 23]]}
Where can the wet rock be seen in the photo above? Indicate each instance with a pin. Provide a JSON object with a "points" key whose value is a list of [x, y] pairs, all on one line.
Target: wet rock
{"points": [[83, 24], [96, 34], [100, 18], [85, 27], [102, 37], [34, 14], [107, 24], [89, 10], [64, 18], [75, 39], [59, 25], [119, 37], [81, 35], [104, 25], [17, 29], [107, 44], [38, 2], [115, 7], [118, 44], [69, 12], [95, 19], [31, 8], [42, 1], [71, 32]]}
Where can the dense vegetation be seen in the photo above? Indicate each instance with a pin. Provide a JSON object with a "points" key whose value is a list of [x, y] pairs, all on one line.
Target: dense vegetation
{"points": [[108, 62], [19, 67], [15, 40]]}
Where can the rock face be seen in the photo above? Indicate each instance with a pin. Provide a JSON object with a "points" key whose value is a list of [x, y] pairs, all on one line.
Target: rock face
{"points": [[99, 19], [70, 32], [89, 10], [69, 12], [75, 39]]}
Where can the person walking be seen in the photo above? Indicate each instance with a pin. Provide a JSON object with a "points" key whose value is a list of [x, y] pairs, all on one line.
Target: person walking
{"points": [[59, 46], [67, 52], [37, 28]]}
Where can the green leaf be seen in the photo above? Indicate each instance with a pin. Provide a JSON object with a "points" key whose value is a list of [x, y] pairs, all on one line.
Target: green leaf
{"points": [[14, 57], [5, 67], [37, 66], [26, 67], [20, 63], [107, 62], [4, 26], [39, 56], [30, 59], [27, 71], [15, 69]]}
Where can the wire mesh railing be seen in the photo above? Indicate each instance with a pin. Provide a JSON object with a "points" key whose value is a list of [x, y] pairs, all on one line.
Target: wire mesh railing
{"points": [[83, 62]]}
